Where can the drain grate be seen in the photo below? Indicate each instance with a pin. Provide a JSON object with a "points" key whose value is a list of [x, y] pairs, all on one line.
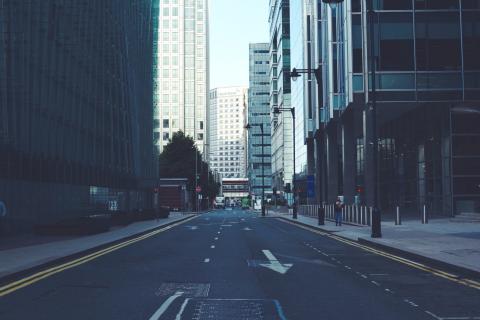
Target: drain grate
{"points": [[190, 290]]}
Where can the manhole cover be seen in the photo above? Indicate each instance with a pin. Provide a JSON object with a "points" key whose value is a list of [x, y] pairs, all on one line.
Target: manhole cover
{"points": [[190, 290], [232, 309]]}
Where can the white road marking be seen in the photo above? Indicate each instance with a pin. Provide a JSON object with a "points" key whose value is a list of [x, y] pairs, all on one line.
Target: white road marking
{"points": [[226, 225], [206, 260], [375, 283], [165, 306], [247, 229], [182, 309], [433, 315], [218, 232], [388, 290], [274, 264], [413, 304], [213, 247], [216, 238], [347, 267]]}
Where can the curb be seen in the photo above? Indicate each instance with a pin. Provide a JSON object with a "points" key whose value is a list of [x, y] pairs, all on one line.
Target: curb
{"points": [[4, 280], [445, 266]]}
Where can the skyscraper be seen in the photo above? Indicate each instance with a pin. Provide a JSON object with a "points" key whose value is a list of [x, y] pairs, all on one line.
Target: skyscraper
{"points": [[227, 134], [181, 84], [75, 108], [280, 94], [259, 119]]}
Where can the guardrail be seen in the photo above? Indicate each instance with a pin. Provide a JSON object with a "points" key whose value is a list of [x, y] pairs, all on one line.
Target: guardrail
{"points": [[353, 214]]}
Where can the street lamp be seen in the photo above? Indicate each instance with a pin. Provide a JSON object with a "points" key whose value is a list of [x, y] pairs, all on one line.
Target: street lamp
{"points": [[248, 126], [294, 75], [376, 217], [277, 110]]}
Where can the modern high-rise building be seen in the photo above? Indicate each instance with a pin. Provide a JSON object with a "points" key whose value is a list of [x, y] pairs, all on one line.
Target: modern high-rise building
{"points": [[181, 84], [75, 109], [227, 133], [280, 94], [259, 120], [427, 95]]}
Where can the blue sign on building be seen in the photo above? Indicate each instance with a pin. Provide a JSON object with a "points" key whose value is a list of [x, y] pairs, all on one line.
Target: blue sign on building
{"points": [[310, 186]]}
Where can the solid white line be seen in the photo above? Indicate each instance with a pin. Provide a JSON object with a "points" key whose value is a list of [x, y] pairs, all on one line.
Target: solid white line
{"points": [[206, 260], [165, 306], [182, 309], [433, 315]]}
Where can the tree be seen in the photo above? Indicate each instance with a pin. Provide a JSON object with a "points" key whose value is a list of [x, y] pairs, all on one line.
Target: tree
{"points": [[178, 161]]}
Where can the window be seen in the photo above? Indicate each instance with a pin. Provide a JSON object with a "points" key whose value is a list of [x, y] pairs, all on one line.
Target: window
{"points": [[166, 24], [166, 12], [438, 41], [199, 136], [396, 41], [174, 11], [166, 136], [165, 123], [200, 125]]}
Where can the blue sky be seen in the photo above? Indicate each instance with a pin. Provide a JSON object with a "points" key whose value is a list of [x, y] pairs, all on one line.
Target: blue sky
{"points": [[233, 25]]}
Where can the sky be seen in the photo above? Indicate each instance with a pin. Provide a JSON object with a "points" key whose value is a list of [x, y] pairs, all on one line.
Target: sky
{"points": [[233, 25]]}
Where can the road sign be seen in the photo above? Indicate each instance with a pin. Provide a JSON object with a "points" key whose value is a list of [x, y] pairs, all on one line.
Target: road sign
{"points": [[198, 189], [3, 209]]}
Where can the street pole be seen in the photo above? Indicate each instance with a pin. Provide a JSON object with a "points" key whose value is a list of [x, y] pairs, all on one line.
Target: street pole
{"points": [[376, 217], [293, 178], [263, 173]]}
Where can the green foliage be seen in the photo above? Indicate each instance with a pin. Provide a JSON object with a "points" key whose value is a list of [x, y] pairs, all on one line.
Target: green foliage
{"points": [[178, 161]]}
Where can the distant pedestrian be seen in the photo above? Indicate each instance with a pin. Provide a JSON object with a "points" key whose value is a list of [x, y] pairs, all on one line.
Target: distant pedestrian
{"points": [[338, 212]]}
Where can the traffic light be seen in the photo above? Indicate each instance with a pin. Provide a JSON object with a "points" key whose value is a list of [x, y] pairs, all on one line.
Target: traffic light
{"points": [[288, 188]]}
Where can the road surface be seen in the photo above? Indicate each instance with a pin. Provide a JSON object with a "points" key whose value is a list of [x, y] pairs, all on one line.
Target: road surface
{"points": [[236, 265]]}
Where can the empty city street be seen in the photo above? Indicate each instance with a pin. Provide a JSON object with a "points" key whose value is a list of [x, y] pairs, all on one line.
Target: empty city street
{"points": [[234, 264]]}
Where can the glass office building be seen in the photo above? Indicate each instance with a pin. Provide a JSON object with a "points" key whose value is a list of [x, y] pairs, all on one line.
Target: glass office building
{"points": [[280, 94], [75, 109], [259, 120], [227, 134], [428, 99], [181, 94]]}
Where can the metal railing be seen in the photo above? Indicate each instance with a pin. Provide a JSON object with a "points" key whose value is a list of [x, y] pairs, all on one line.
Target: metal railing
{"points": [[353, 214]]}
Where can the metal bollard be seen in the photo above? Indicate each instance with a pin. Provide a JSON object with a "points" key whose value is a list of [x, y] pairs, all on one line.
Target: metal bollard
{"points": [[398, 219], [424, 216]]}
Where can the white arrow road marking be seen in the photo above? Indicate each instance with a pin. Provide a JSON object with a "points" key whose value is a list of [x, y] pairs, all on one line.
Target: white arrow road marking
{"points": [[274, 264], [165, 306]]}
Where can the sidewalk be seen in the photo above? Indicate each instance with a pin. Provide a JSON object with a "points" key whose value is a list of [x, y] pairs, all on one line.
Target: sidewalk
{"points": [[23, 258], [451, 243]]}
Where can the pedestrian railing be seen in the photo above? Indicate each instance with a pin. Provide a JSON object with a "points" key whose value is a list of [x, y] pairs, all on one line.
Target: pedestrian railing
{"points": [[353, 214]]}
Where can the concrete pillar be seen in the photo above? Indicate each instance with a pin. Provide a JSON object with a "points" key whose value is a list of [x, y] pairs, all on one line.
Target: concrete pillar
{"points": [[368, 158], [349, 157], [332, 162], [319, 168]]}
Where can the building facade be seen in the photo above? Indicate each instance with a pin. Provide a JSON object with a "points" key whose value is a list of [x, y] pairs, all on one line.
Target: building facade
{"points": [[75, 109], [259, 120], [227, 133], [280, 95], [181, 84], [427, 91]]}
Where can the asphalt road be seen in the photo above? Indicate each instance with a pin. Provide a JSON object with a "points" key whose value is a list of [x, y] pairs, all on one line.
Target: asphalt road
{"points": [[235, 265]]}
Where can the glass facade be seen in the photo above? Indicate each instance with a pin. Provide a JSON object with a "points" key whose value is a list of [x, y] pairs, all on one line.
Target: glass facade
{"points": [[75, 107], [227, 135], [280, 94], [259, 115], [181, 93], [427, 93]]}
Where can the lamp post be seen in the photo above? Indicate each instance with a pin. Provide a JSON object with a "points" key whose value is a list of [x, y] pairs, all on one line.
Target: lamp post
{"points": [[294, 75], [372, 108], [277, 110], [248, 126]]}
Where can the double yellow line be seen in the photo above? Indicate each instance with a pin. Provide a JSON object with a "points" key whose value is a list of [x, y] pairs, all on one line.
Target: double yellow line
{"points": [[446, 275], [14, 286]]}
